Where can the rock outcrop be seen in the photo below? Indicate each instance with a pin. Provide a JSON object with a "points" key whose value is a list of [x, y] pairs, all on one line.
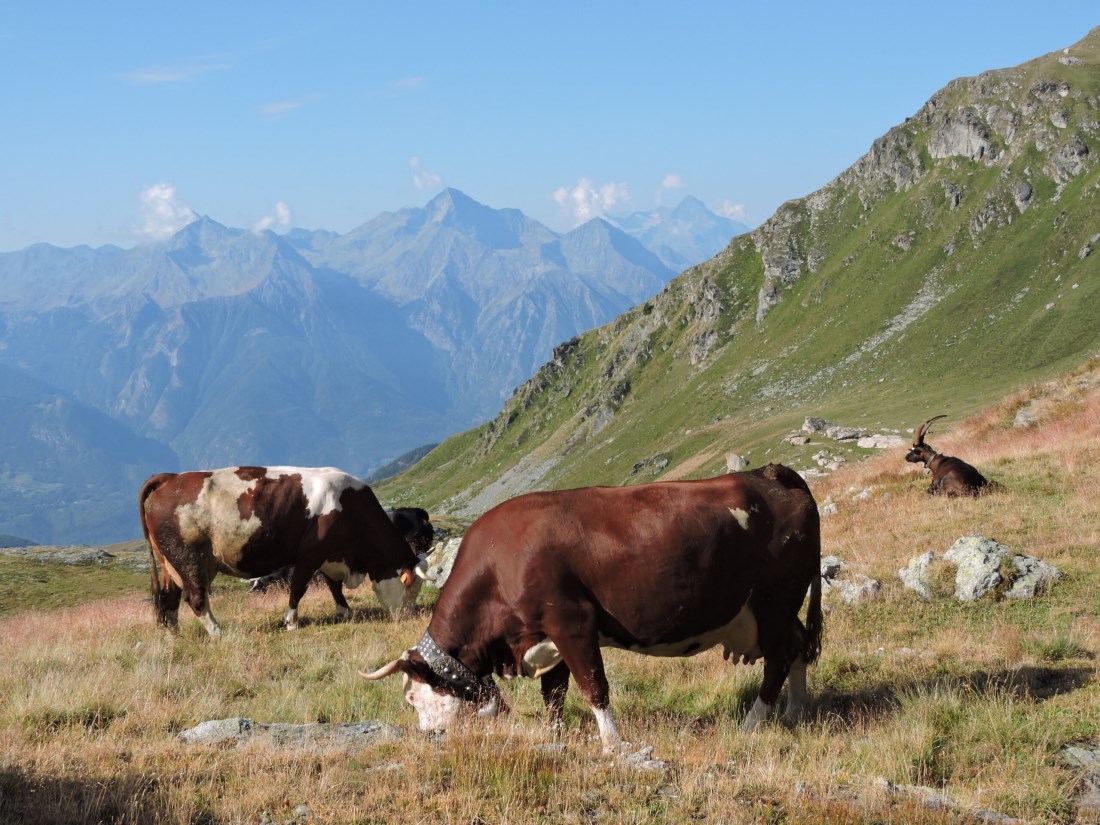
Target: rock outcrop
{"points": [[310, 735], [982, 566]]}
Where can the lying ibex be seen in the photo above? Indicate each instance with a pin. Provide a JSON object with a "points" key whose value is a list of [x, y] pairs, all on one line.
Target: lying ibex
{"points": [[950, 476]]}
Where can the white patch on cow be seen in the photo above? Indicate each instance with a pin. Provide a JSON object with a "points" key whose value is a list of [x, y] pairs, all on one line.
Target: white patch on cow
{"points": [[411, 594], [742, 517], [210, 623], [290, 618], [391, 594], [340, 572], [796, 692], [739, 637], [435, 710], [609, 731], [321, 486], [760, 712], [541, 659], [214, 516]]}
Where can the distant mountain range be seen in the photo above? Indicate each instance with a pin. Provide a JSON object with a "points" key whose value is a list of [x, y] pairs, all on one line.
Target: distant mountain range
{"points": [[222, 346], [684, 235]]}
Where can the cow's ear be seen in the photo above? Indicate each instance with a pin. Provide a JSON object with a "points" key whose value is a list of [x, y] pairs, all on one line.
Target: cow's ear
{"points": [[416, 668]]}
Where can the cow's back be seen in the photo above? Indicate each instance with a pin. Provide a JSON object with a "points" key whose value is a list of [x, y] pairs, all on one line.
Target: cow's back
{"points": [[640, 554], [221, 514]]}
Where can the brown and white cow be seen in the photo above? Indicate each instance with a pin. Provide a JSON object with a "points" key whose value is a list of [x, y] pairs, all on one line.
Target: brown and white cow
{"points": [[413, 522], [249, 521], [543, 580]]}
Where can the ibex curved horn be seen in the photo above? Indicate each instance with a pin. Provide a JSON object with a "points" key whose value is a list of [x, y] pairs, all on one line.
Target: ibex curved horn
{"points": [[922, 430]]}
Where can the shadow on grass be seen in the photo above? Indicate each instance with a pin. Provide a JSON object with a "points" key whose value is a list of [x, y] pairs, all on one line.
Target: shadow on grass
{"points": [[377, 614], [876, 702], [873, 703], [29, 798], [370, 614]]}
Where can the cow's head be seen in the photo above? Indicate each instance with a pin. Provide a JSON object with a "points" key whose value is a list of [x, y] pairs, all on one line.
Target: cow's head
{"points": [[439, 702], [398, 594]]}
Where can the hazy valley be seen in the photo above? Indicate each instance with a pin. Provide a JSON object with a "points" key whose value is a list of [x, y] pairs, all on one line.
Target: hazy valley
{"points": [[222, 346]]}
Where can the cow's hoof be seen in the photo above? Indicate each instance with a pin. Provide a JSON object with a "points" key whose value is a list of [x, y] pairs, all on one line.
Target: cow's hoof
{"points": [[794, 719], [758, 714], [290, 619]]}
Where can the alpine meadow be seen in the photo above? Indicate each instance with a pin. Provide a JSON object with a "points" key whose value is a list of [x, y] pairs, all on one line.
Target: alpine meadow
{"points": [[954, 269]]}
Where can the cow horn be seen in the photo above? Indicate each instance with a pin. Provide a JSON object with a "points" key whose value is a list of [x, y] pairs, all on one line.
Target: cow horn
{"points": [[922, 430], [423, 573], [382, 672]]}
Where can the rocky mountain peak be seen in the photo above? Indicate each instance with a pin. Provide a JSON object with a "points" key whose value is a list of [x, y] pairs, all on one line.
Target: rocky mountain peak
{"points": [[1037, 123], [691, 207], [453, 207]]}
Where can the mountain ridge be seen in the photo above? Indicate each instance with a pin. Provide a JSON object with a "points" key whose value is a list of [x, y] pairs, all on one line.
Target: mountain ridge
{"points": [[949, 264]]}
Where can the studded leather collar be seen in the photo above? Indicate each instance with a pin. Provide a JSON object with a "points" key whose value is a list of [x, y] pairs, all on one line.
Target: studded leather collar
{"points": [[455, 674]]}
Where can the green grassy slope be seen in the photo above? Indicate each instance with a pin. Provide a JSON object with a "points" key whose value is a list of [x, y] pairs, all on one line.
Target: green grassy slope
{"points": [[957, 260]]}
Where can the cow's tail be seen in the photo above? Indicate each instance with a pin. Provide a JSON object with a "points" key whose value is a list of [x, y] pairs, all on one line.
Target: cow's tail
{"points": [[157, 562], [815, 625], [814, 622]]}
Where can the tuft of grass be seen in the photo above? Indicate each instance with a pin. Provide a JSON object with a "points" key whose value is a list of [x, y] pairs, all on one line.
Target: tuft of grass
{"points": [[1061, 648]]}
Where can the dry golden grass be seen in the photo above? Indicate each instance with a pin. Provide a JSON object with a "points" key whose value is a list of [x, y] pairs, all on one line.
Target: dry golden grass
{"points": [[974, 700]]}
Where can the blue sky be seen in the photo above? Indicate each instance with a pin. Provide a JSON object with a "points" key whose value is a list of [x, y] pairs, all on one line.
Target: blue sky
{"points": [[123, 120]]}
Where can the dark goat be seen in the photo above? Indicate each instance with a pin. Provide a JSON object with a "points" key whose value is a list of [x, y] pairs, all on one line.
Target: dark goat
{"points": [[950, 476]]}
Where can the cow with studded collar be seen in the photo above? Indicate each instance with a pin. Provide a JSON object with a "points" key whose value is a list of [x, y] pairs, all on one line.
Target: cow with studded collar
{"points": [[543, 581]]}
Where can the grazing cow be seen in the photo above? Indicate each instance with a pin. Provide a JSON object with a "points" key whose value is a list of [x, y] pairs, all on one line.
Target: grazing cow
{"points": [[248, 521], [414, 524], [950, 476], [543, 580]]}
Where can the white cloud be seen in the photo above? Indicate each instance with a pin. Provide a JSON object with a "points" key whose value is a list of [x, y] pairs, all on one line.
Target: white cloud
{"points": [[162, 214], [672, 181], [161, 74], [586, 201], [733, 211], [281, 219], [424, 178], [279, 108]]}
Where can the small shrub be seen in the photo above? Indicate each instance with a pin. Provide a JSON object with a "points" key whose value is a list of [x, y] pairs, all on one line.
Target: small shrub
{"points": [[1059, 649]]}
